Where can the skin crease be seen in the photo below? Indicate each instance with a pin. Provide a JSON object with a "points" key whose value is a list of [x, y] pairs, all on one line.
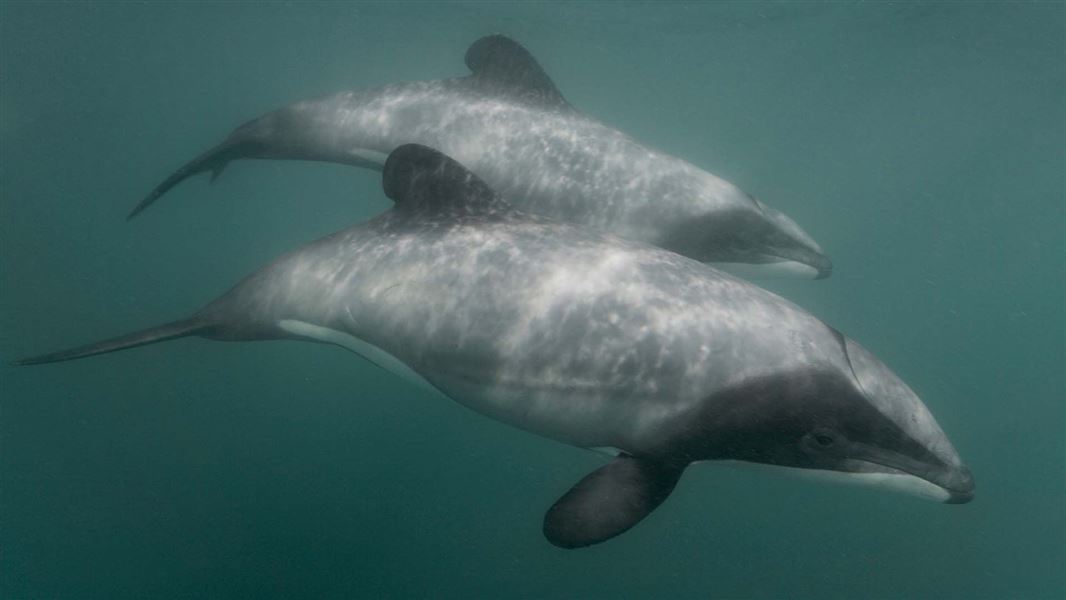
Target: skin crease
{"points": [[509, 124]]}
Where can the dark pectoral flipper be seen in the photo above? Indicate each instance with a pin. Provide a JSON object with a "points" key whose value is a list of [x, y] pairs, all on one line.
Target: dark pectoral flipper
{"points": [[609, 501]]}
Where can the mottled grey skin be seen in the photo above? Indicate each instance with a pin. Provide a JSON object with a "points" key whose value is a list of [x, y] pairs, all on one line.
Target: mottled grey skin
{"points": [[587, 339], [508, 124]]}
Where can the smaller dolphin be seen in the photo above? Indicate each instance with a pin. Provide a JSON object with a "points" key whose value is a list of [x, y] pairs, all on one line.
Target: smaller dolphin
{"points": [[508, 123], [587, 339]]}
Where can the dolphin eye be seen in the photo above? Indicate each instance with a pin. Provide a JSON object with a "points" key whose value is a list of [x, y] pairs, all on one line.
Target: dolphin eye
{"points": [[822, 439]]}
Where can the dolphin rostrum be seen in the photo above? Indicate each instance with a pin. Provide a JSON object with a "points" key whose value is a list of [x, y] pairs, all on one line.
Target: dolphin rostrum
{"points": [[588, 339], [509, 124]]}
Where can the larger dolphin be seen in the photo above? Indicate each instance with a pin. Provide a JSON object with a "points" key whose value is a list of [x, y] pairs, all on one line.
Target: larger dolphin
{"points": [[587, 339], [509, 124]]}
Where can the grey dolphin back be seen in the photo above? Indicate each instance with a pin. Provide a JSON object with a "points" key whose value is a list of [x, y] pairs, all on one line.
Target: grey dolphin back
{"points": [[498, 65]]}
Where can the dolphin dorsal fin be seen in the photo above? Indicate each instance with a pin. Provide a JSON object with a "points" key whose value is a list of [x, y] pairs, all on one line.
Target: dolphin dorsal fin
{"points": [[417, 177], [504, 66]]}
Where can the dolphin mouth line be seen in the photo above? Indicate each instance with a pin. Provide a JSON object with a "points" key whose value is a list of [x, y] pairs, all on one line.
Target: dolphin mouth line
{"points": [[771, 265], [863, 473], [822, 268], [956, 481], [955, 486]]}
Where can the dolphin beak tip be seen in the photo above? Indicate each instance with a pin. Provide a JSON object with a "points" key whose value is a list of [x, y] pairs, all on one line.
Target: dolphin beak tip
{"points": [[960, 497], [962, 491], [825, 269]]}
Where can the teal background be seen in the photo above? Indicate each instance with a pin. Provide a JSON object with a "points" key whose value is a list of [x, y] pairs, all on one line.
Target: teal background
{"points": [[921, 144]]}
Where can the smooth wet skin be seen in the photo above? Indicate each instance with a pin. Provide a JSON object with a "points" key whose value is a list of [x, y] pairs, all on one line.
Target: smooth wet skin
{"points": [[508, 123], [587, 339]]}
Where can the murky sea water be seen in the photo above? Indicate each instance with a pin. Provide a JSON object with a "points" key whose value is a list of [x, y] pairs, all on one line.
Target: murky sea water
{"points": [[921, 144]]}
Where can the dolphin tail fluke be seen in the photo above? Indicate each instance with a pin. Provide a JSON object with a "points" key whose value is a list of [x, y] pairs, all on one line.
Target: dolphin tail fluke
{"points": [[217, 170], [214, 160], [162, 333]]}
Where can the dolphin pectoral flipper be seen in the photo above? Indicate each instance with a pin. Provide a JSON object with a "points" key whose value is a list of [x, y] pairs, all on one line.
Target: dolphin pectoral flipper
{"points": [[609, 501], [162, 333]]}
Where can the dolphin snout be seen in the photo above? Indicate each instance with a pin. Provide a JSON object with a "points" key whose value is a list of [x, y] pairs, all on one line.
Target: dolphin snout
{"points": [[960, 486], [824, 267], [820, 263]]}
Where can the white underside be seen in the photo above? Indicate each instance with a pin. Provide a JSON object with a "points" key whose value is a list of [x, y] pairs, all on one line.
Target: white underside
{"points": [[370, 352], [786, 269], [898, 482]]}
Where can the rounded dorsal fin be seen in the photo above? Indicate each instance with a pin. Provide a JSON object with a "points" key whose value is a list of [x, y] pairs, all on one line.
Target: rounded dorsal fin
{"points": [[419, 177], [505, 66]]}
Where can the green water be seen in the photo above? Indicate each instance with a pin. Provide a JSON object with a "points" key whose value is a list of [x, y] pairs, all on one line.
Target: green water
{"points": [[921, 145]]}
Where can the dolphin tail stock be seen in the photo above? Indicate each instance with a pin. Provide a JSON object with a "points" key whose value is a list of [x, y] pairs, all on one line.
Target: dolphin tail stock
{"points": [[214, 160], [176, 329]]}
